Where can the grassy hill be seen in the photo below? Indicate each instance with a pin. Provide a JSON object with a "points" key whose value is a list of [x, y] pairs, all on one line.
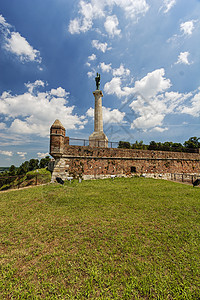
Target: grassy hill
{"points": [[130, 238], [36, 177]]}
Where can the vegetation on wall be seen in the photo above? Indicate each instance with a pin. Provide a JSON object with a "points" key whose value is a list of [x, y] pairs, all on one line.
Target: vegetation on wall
{"points": [[192, 145]]}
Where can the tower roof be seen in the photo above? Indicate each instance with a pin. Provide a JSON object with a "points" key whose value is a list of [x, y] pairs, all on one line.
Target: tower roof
{"points": [[57, 124]]}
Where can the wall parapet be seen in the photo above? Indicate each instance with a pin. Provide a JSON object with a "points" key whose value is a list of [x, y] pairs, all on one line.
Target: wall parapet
{"points": [[118, 153]]}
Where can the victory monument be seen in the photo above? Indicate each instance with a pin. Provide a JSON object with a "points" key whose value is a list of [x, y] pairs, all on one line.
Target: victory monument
{"points": [[98, 137]]}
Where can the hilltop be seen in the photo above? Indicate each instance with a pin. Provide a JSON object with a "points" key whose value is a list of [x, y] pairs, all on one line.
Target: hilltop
{"points": [[132, 238]]}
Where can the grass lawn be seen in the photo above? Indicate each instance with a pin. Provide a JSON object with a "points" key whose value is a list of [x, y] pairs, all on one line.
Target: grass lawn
{"points": [[131, 238]]}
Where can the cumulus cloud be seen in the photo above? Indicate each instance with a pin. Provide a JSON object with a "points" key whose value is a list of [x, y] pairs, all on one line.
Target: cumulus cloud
{"points": [[194, 108], [100, 46], [32, 85], [34, 112], [121, 71], [91, 74], [92, 57], [152, 84], [6, 153], [183, 58], [187, 27], [17, 44], [109, 115], [152, 101], [95, 9], [114, 88], [111, 25], [59, 92], [105, 68]]}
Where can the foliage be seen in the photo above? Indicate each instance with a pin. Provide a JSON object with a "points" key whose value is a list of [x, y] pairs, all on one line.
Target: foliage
{"points": [[189, 146], [192, 143], [40, 176], [44, 162], [107, 239], [12, 177], [12, 170], [125, 145], [139, 145]]}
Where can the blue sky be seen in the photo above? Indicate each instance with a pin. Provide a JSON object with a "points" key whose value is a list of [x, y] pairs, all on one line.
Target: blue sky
{"points": [[147, 53]]}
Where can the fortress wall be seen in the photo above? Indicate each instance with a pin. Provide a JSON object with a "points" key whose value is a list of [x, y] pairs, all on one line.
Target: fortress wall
{"points": [[90, 162]]}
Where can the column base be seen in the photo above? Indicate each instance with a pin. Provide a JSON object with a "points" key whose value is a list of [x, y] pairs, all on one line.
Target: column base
{"points": [[98, 139]]}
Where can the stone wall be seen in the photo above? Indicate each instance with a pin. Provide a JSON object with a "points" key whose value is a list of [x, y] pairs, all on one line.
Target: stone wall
{"points": [[88, 162]]}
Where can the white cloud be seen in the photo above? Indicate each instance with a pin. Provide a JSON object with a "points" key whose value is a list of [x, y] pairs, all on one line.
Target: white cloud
{"points": [[22, 154], [187, 27], [91, 74], [92, 57], [3, 21], [160, 129], [148, 121], [153, 103], [168, 4], [109, 115], [111, 24], [42, 155], [194, 108], [2, 125], [183, 58], [74, 26], [121, 71], [18, 45], [152, 84], [133, 8], [59, 92], [7, 153], [34, 113], [100, 46], [114, 88], [31, 86], [105, 68], [95, 9]]}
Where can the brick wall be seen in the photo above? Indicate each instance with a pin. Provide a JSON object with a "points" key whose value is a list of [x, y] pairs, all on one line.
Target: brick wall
{"points": [[102, 162]]}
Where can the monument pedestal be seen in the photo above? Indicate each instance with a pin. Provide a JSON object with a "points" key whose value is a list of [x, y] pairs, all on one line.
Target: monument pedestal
{"points": [[98, 137]]}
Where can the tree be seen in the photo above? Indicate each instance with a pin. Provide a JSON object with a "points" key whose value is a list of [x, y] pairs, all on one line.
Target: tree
{"points": [[12, 170], [33, 164], [192, 143], [24, 168], [139, 145], [125, 145], [152, 145], [44, 162]]}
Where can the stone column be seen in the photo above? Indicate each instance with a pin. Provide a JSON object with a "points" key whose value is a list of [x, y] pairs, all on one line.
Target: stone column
{"points": [[98, 116], [98, 137]]}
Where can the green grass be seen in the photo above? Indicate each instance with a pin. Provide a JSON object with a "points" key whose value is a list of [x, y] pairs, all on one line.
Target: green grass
{"points": [[131, 238]]}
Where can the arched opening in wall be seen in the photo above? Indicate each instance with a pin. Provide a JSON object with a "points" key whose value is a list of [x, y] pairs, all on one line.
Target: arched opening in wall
{"points": [[133, 169], [56, 131]]}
